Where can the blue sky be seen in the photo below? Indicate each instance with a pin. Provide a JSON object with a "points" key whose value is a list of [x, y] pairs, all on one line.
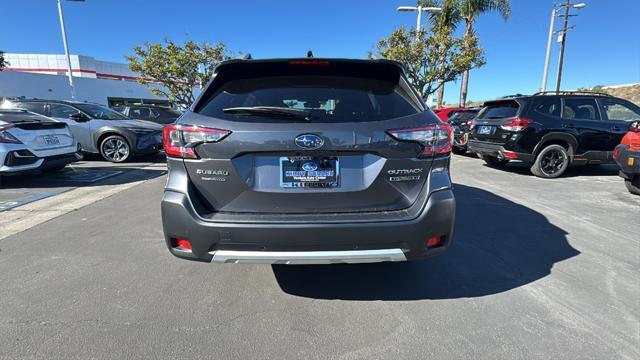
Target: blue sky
{"points": [[604, 48]]}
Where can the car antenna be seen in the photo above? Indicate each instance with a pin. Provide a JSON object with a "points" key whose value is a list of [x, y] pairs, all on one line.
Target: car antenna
{"points": [[309, 54]]}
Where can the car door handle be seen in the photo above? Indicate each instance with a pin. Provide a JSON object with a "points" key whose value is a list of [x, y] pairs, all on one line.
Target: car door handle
{"points": [[568, 126], [615, 128]]}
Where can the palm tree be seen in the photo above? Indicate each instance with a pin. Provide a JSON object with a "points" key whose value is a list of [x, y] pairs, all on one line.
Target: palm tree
{"points": [[3, 63], [469, 11]]}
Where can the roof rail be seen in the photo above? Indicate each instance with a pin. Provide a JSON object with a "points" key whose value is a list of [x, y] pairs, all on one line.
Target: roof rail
{"points": [[511, 96], [576, 92]]}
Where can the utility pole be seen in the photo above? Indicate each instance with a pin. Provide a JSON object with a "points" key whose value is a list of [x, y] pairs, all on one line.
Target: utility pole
{"points": [[567, 6], [564, 41]]}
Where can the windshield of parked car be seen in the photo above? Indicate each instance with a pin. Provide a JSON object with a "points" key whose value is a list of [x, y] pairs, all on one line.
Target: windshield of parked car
{"points": [[330, 99], [100, 112]]}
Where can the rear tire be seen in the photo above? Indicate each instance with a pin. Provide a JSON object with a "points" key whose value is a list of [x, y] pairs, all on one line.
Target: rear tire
{"points": [[54, 169], [633, 185], [459, 151], [493, 161], [551, 162]]}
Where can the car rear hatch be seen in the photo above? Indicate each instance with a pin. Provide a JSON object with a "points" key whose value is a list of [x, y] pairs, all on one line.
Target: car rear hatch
{"points": [[495, 121], [341, 155], [35, 131]]}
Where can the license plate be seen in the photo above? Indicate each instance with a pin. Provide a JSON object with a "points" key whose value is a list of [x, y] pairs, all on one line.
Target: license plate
{"points": [[309, 172], [51, 140], [485, 130]]}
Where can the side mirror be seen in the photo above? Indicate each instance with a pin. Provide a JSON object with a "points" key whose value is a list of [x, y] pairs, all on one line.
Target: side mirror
{"points": [[634, 126], [79, 117]]}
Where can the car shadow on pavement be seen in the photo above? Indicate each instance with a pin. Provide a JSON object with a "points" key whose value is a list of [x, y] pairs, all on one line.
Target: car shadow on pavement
{"points": [[72, 177], [498, 246], [573, 171]]}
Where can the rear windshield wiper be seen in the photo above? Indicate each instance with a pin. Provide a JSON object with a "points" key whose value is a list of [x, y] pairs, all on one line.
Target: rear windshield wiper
{"points": [[271, 111]]}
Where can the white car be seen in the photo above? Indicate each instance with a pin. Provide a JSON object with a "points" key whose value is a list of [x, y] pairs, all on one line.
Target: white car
{"points": [[29, 141]]}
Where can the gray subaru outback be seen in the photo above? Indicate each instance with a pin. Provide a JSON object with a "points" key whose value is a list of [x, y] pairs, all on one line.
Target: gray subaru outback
{"points": [[308, 161]]}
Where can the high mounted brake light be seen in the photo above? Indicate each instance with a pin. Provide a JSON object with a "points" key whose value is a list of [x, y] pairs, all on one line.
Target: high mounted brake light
{"points": [[436, 139], [516, 124], [309, 63], [179, 140]]}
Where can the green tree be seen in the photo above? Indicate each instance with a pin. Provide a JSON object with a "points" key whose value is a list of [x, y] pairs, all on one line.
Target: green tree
{"points": [[179, 68], [469, 12], [443, 25], [429, 59], [3, 62]]}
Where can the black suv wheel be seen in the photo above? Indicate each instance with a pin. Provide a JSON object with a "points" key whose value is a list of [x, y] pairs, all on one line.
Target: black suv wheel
{"points": [[551, 162], [633, 185]]}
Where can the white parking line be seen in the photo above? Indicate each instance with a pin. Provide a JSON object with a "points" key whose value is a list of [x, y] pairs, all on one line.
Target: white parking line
{"points": [[29, 215]]}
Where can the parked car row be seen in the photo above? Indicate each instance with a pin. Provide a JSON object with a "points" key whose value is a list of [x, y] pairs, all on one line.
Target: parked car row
{"points": [[47, 135], [551, 131]]}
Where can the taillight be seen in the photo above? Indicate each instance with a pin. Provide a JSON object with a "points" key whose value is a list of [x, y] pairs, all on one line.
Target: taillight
{"points": [[616, 152], [179, 140], [516, 124], [436, 139], [6, 137]]}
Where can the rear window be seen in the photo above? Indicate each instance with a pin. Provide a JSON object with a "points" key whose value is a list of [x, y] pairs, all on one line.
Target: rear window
{"points": [[331, 99], [466, 115], [499, 110], [36, 107]]}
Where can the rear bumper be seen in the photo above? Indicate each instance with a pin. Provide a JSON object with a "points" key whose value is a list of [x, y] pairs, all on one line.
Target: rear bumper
{"points": [[307, 257], [307, 243], [497, 150], [27, 161], [628, 161], [147, 144]]}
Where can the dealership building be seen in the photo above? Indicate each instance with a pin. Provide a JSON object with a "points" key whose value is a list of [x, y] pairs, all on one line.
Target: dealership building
{"points": [[43, 76]]}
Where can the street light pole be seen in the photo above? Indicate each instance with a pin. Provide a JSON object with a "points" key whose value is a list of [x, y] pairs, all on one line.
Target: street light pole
{"points": [[66, 48], [419, 9], [545, 74]]}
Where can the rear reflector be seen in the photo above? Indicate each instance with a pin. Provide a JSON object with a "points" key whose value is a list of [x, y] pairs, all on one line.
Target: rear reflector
{"points": [[179, 140], [182, 243], [436, 139], [510, 155], [616, 153], [516, 124], [434, 241]]}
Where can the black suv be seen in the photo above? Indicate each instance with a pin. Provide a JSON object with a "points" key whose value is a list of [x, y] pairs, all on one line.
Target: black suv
{"points": [[461, 122], [156, 114], [551, 130], [308, 161]]}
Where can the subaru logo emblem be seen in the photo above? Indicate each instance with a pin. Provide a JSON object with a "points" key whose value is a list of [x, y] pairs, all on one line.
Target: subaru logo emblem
{"points": [[309, 166], [309, 141]]}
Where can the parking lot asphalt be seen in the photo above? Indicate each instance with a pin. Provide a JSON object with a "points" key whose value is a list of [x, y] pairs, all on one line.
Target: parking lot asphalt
{"points": [[540, 269]]}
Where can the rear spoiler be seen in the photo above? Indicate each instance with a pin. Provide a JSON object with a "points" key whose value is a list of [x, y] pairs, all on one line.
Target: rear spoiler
{"points": [[245, 69]]}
